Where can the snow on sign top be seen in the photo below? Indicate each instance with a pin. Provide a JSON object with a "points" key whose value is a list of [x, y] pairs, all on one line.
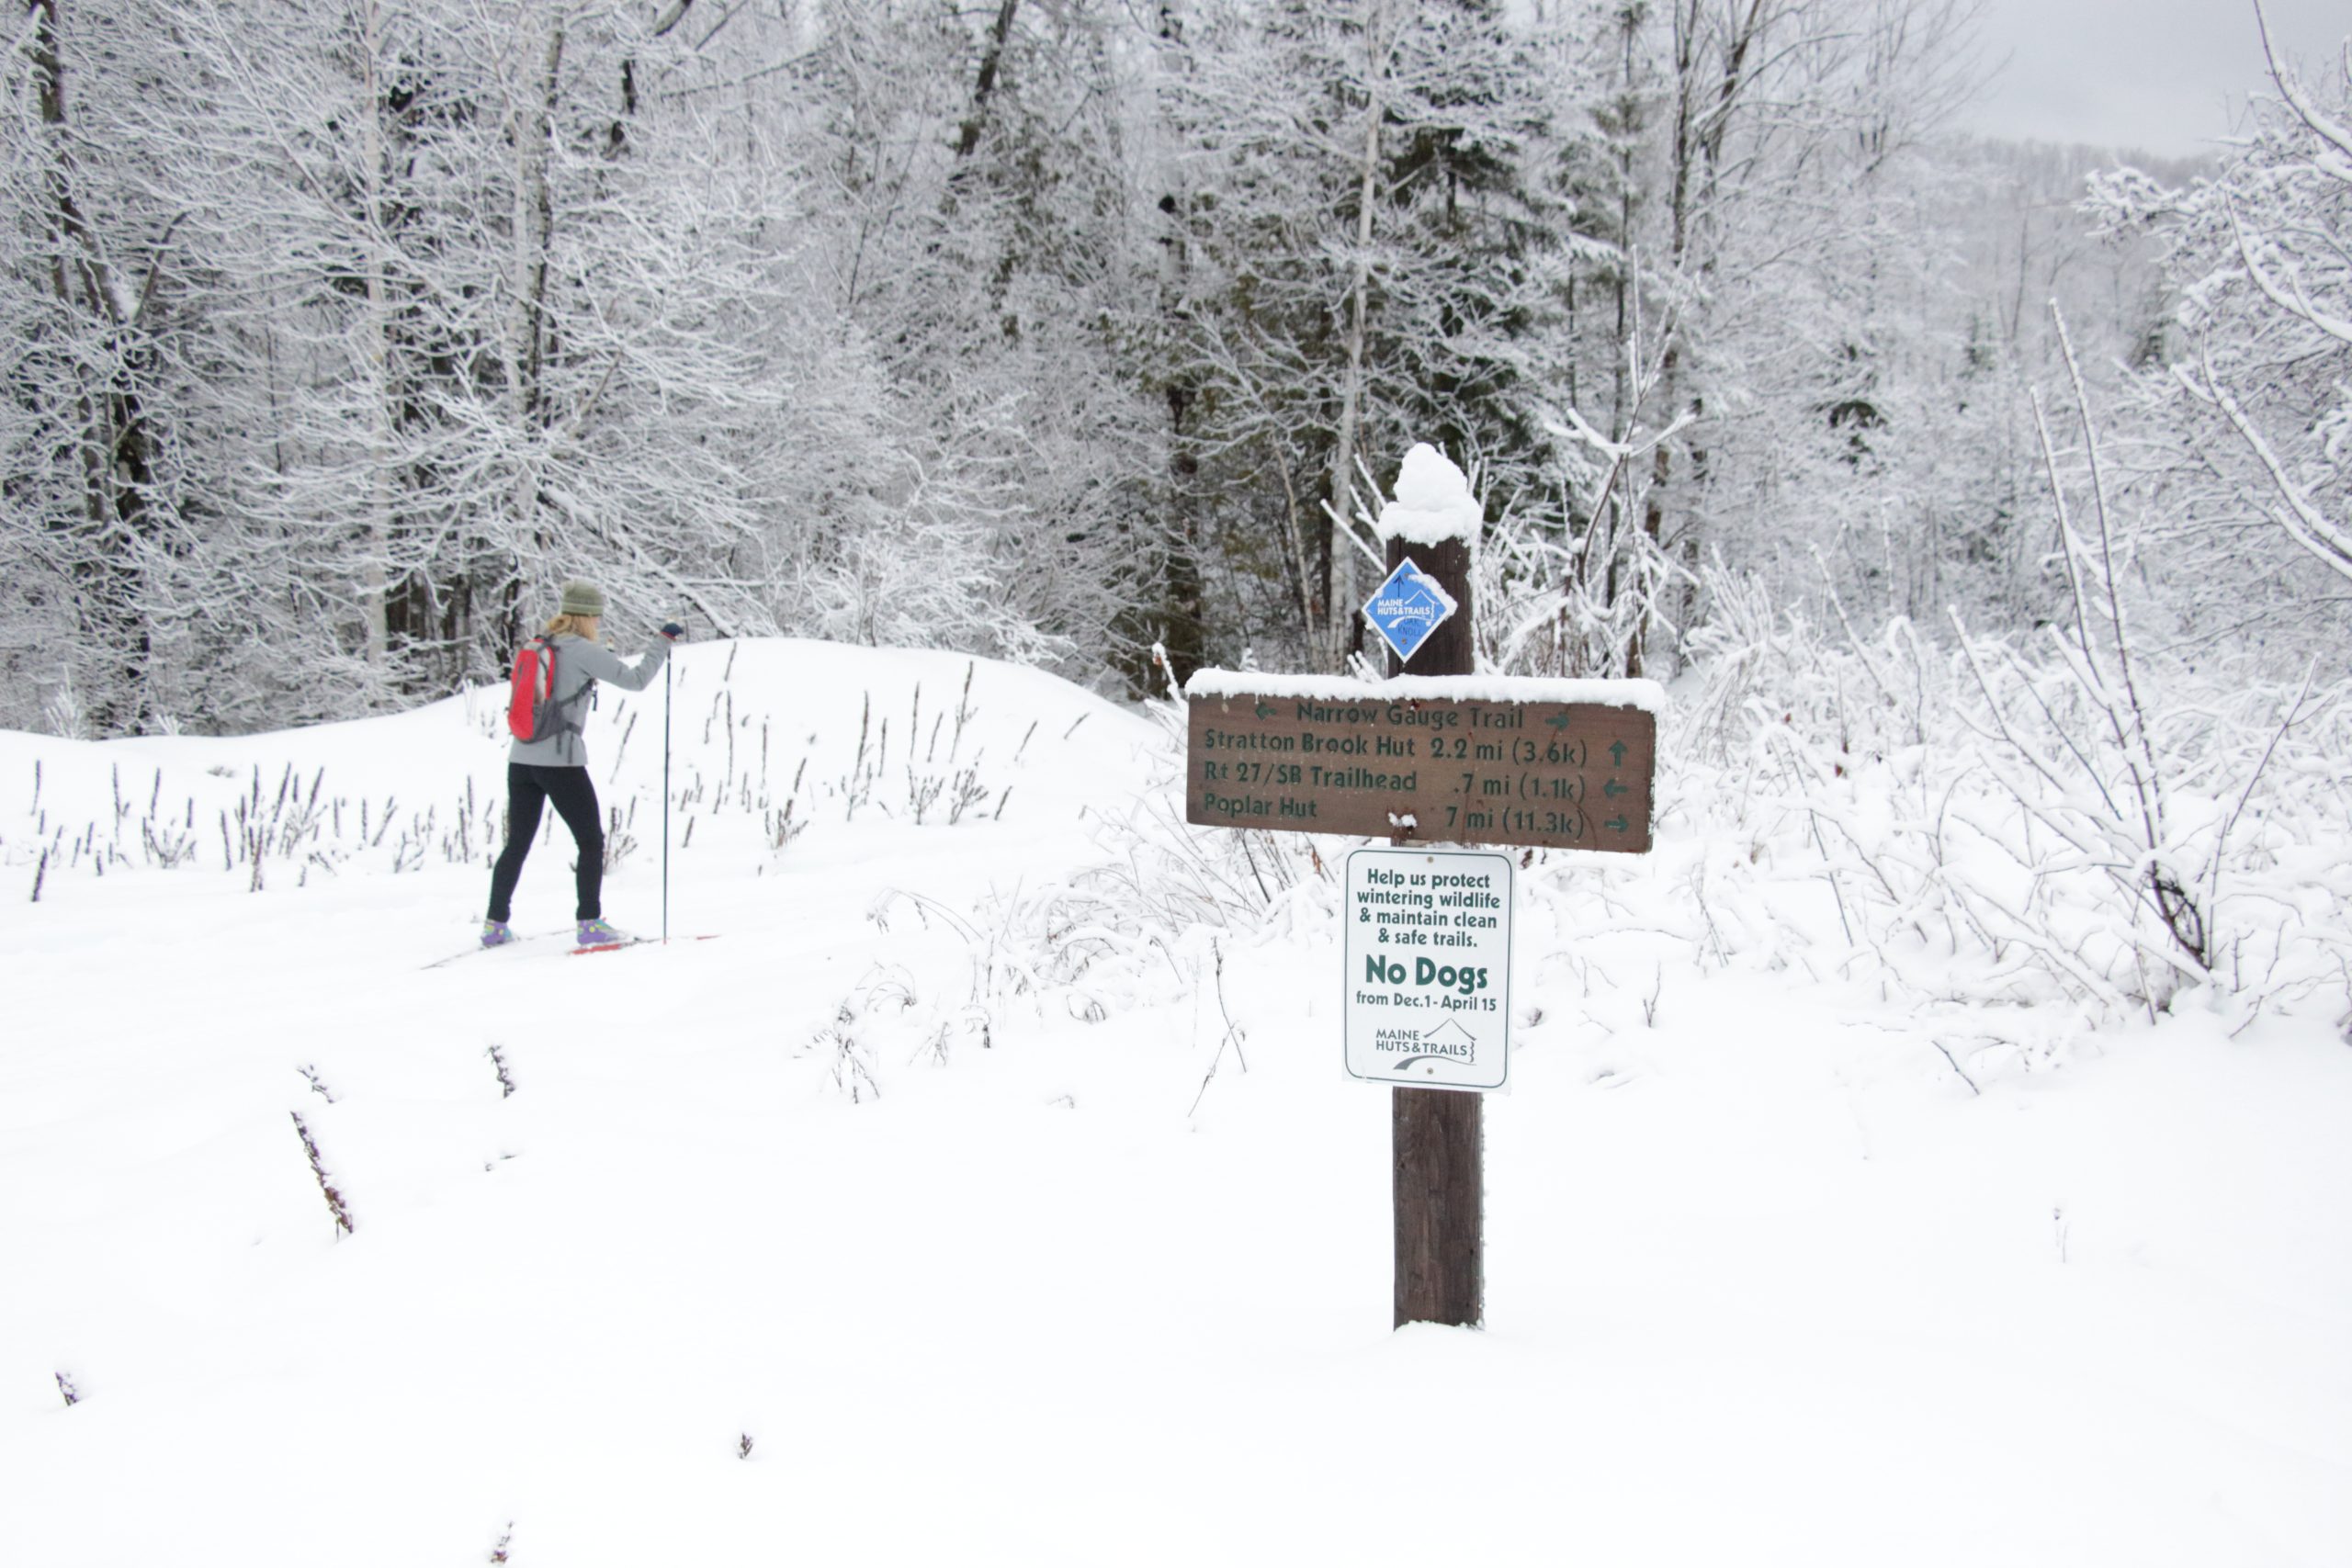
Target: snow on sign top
{"points": [[1646, 695], [1434, 503], [1408, 607]]}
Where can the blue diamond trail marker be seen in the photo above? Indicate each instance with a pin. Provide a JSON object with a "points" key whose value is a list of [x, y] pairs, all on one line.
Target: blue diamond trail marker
{"points": [[1408, 607]]}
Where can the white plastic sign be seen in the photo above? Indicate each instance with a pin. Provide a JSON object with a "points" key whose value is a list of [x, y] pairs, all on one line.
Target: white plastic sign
{"points": [[1427, 979]]}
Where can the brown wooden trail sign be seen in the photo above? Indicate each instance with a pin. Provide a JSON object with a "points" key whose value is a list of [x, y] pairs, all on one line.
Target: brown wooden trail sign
{"points": [[1460, 760]]}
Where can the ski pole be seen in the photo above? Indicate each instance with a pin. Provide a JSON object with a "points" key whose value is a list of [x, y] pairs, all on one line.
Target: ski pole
{"points": [[665, 801]]}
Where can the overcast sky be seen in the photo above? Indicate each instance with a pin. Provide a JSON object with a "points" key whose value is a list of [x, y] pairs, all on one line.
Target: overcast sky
{"points": [[2164, 76]]}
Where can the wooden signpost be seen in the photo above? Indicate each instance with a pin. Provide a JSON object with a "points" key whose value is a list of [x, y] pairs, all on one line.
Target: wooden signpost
{"points": [[1438, 757]]}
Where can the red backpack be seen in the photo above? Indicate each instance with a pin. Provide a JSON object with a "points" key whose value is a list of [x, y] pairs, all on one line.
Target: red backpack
{"points": [[532, 712]]}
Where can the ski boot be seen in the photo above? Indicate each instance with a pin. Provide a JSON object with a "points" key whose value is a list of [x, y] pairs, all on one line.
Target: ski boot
{"points": [[601, 933]]}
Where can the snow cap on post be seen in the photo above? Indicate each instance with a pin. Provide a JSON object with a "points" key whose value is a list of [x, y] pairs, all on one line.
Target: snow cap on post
{"points": [[1432, 504]]}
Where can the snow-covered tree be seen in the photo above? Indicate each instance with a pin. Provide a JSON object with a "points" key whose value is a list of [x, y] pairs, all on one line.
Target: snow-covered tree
{"points": [[1762, 225], [1066, 330], [93, 453], [1360, 217], [2261, 386], [975, 220]]}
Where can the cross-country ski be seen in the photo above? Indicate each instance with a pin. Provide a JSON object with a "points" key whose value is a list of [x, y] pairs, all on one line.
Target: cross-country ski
{"points": [[639, 942]]}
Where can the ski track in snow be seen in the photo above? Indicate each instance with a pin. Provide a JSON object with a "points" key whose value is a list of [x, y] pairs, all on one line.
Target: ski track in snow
{"points": [[1767, 1282]]}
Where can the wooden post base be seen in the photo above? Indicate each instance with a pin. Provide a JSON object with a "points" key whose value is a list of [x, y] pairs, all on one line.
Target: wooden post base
{"points": [[1438, 1157]]}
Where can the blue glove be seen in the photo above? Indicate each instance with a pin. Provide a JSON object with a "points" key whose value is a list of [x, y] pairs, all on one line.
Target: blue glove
{"points": [[673, 630]]}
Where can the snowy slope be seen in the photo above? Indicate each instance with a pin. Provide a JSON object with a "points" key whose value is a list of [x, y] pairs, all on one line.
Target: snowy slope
{"points": [[998, 1256]]}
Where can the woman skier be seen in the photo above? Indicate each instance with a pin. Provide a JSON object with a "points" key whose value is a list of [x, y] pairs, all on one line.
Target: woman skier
{"points": [[554, 767]]}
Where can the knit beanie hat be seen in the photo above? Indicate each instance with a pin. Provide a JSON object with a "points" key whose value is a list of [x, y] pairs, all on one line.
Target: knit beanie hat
{"points": [[583, 598]]}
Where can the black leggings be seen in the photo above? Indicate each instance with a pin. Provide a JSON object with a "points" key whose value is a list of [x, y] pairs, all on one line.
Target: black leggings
{"points": [[527, 787]]}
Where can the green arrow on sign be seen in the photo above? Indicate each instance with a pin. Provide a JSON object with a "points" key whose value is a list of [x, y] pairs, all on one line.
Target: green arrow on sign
{"points": [[1557, 721], [1264, 711], [1617, 752], [1615, 825], [1613, 789]]}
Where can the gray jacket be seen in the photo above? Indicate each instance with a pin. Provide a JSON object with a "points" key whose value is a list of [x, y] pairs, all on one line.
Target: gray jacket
{"points": [[579, 665]]}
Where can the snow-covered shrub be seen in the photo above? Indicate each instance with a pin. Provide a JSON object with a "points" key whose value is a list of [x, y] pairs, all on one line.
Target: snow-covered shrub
{"points": [[62, 710], [1971, 824], [1144, 923], [1991, 833]]}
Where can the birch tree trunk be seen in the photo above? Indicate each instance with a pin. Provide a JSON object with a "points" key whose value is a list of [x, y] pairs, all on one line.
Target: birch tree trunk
{"points": [[533, 228], [1703, 112], [113, 443], [377, 530], [1339, 560], [991, 61]]}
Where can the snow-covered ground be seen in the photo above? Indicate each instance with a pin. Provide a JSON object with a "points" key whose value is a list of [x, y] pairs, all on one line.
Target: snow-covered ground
{"points": [[881, 1228]]}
